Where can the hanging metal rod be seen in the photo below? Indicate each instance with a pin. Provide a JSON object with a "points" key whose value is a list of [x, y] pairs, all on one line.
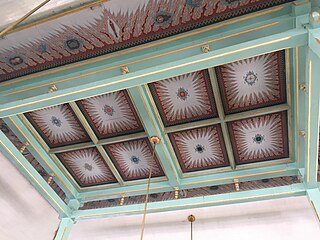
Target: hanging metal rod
{"points": [[13, 25]]}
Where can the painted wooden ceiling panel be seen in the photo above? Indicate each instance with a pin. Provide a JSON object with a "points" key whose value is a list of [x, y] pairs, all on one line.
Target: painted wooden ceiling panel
{"points": [[110, 27], [260, 138], [133, 159], [184, 98], [58, 126], [253, 83], [111, 115], [200, 148], [87, 166]]}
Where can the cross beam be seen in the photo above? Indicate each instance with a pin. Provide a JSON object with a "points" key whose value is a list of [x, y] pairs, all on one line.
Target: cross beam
{"points": [[196, 202]]}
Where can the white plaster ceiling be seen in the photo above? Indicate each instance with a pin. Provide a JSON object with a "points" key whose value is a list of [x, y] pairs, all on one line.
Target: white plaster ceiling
{"points": [[25, 214], [12, 10]]}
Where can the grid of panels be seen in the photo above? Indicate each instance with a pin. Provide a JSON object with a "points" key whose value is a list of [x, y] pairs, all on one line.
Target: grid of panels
{"points": [[204, 134]]}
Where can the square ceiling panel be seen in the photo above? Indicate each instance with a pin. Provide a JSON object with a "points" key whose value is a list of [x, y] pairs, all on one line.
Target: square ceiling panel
{"points": [[111, 114], [184, 98], [58, 126], [260, 138], [200, 148], [133, 159], [253, 83], [87, 166]]}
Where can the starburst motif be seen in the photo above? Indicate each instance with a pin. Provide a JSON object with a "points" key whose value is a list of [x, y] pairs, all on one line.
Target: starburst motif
{"points": [[134, 159], [252, 83], [200, 148], [111, 114], [87, 167], [58, 126], [260, 138], [184, 98]]}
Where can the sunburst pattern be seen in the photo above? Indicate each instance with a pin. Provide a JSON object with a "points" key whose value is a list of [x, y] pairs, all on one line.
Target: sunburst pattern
{"points": [[133, 159], [252, 83], [87, 167], [110, 27], [200, 148], [260, 138], [58, 126], [111, 114], [184, 98]]}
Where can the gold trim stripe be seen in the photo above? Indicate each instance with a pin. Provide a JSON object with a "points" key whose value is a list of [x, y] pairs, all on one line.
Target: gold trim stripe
{"points": [[309, 121], [190, 205], [146, 46], [139, 60], [149, 73], [34, 179]]}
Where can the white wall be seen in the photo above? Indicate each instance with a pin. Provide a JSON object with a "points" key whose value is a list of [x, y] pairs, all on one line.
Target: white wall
{"points": [[282, 219], [25, 215]]}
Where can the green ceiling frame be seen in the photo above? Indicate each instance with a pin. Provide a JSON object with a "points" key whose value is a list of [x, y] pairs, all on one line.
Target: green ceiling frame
{"points": [[288, 27]]}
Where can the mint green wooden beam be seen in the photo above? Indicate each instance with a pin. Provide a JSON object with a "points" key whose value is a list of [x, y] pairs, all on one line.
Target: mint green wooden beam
{"points": [[262, 19], [180, 63], [314, 199], [20, 129], [35, 154], [221, 114], [203, 179], [153, 128], [23, 165], [312, 115], [196, 202], [64, 229]]}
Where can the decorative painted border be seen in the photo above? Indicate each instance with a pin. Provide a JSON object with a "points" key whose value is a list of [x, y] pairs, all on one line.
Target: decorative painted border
{"points": [[282, 84]]}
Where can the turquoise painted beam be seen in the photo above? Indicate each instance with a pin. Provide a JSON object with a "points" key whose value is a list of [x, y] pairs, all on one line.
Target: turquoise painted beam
{"points": [[312, 115], [314, 40], [23, 165], [292, 83], [202, 179], [196, 202], [130, 190], [218, 35], [301, 101], [64, 229], [154, 127], [20, 129], [314, 199], [100, 83], [221, 115]]}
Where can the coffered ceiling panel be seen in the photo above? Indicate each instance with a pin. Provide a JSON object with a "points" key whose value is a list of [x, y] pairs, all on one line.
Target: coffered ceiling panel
{"points": [[58, 126], [133, 159], [111, 114], [253, 83], [109, 27], [87, 166], [184, 98], [260, 138], [200, 148]]}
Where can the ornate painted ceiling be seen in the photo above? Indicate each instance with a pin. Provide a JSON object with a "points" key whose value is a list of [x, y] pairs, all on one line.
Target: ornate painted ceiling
{"points": [[207, 117], [110, 27], [228, 102]]}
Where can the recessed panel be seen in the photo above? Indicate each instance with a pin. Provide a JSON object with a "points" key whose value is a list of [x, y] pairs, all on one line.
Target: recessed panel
{"points": [[253, 83], [58, 126], [87, 166], [184, 98], [111, 114], [260, 138], [200, 149], [134, 159]]}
